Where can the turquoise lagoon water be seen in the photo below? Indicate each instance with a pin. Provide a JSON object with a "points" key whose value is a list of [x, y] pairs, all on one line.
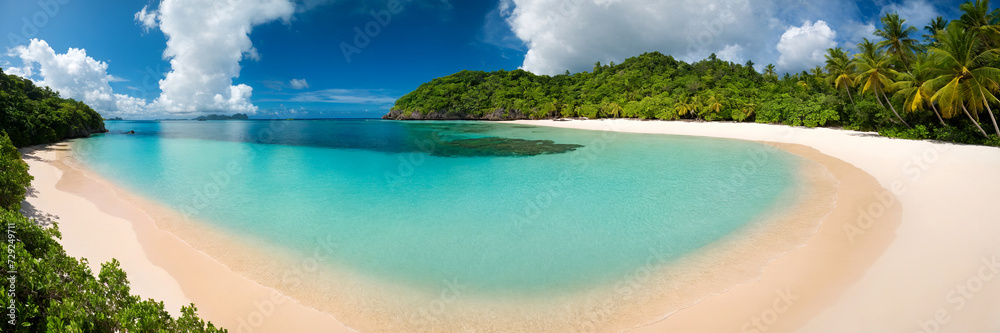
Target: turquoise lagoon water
{"points": [[409, 203]]}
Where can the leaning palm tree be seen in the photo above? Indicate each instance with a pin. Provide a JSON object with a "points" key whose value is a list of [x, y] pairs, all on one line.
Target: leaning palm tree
{"points": [[897, 41], [936, 25], [770, 72], [874, 74], [967, 80], [841, 70], [914, 88], [976, 16]]}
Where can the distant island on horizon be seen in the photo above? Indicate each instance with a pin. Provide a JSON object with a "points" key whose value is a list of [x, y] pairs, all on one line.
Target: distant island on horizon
{"points": [[238, 116]]}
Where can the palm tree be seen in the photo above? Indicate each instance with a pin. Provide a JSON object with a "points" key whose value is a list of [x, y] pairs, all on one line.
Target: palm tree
{"points": [[897, 40], [976, 16], [748, 110], [867, 48], [841, 70], [914, 89], [936, 25], [874, 74], [696, 105], [817, 76], [817, 71], [770, 73], [713, 104], [966, 79], [616, 110], [682, 106]]}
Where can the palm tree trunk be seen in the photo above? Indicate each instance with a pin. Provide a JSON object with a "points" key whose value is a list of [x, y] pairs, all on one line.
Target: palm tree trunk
{"points": [[848, 89], [992, 117], [879, 100], [974, 121], [938, 114], [893, 108]]}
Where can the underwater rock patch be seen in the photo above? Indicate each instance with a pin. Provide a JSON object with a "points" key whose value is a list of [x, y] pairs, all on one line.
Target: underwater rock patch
{"points": [[502, 147]]}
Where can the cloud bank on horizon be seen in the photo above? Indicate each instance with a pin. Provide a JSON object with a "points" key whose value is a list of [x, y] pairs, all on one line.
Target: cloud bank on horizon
{"points": [[74, 74], [207, 41], [571, 35]]}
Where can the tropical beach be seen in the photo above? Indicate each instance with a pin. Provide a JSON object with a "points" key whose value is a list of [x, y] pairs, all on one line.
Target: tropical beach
{"points": [[820, 293], [923, 251], [500, 166]]}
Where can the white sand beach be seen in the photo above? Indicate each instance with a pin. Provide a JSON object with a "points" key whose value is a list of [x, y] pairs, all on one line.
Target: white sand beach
{"points": [[937, 275], [931, 270], [109, 223]]}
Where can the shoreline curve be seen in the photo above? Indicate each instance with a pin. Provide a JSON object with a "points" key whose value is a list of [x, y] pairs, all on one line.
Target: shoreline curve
{"points": [[290, 313]]}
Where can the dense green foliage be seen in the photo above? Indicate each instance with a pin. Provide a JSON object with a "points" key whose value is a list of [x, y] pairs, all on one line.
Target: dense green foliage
{"points": [[942, 85], [14, 177], [54, 292], [44, 289], [33, 115]]}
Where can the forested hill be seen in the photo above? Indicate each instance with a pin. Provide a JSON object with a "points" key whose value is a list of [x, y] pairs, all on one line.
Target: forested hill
{"points": [[47, 290], [32, 115], [650, 86], [895, 84]]}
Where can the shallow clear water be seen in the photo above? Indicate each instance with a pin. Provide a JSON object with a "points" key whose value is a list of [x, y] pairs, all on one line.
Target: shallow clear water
{"points": [[411, 203]]}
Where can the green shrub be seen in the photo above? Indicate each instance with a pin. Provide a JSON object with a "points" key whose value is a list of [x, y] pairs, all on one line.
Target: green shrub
{"points": [[919, 132], [54, 292], [14, 177]]}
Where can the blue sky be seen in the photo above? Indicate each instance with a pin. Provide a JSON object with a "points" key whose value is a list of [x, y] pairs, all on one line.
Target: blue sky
{"points": [[282, 58]]}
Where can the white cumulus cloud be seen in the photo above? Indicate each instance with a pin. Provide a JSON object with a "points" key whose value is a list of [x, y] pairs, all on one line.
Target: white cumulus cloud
{"points": [[803, 47], [560, 35], [855, 32], [732, 53], [299, 84], [74, 75], [573, 34], [206, 40], [917, 13], [148, 19]]}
